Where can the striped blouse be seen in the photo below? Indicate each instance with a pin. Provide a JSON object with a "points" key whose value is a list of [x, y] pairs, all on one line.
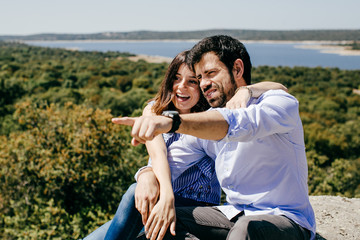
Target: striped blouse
{"points": [[192, 172]]}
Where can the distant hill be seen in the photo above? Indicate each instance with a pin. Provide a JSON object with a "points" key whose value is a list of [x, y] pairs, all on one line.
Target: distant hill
{"points": [[296, 35]]}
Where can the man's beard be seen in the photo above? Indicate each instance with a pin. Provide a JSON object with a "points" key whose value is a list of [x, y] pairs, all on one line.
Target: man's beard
{"points": [[223, 97], [220, 101]]}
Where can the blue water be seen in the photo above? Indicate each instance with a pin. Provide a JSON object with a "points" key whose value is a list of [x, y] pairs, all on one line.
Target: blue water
{"points": [[272, 54]]}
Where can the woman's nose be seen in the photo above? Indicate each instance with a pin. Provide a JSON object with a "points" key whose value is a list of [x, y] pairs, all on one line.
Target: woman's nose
{"points": [[182, 83]]}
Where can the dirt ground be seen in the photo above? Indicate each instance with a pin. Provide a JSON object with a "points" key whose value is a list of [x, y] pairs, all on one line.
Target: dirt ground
{"points": [[336, 217]]}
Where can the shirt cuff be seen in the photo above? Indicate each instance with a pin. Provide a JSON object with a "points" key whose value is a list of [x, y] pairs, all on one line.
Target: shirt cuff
{"points": [[238, 124], [229, 118]]}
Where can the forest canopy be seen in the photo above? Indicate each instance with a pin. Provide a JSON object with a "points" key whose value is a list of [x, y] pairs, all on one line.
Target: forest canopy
{"points": [[64, 165]]}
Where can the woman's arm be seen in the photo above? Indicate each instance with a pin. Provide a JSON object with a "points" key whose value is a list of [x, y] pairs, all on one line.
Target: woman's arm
{"points": [[243, 94], [163, 213]]}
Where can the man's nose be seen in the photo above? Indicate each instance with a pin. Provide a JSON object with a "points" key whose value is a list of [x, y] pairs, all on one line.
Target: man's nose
{"points": [[204, 83]]}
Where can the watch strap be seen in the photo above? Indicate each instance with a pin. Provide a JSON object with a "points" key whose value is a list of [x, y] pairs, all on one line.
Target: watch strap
{"points": [[174, 115]]}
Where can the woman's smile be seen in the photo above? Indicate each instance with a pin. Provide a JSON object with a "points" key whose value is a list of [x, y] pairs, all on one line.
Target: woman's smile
{"points": [[182, 97]]}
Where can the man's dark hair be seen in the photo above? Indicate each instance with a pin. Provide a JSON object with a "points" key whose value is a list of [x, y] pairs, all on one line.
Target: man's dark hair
{"points": [[227, 49]]}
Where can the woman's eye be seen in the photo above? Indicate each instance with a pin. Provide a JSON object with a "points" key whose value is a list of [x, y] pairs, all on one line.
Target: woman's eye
{"points": [[193, 81]]}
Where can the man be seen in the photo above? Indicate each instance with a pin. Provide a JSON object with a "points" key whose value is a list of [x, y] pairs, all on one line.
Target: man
{"points": [[259, 152]]}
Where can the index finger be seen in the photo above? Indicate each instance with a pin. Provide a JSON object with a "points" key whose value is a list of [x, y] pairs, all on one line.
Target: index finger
{"points": [[128, 121], [144, 212]]}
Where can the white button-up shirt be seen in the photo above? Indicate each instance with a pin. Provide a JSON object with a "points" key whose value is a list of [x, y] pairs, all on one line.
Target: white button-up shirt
{"points": [[261, 163]]}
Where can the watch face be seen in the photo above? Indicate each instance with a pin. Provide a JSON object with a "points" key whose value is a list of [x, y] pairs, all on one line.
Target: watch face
{"points": [[170, 113]]}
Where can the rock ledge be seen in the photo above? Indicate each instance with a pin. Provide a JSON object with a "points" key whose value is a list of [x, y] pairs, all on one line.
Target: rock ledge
{"points": [[336, 217]]}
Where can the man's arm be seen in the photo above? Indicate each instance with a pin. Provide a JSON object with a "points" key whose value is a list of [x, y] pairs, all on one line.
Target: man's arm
{"points": [[243, 94], [259, 88], [207, 125]]}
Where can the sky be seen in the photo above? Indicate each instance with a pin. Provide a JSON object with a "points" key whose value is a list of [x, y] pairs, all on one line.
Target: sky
{"points": [[24, 17]]}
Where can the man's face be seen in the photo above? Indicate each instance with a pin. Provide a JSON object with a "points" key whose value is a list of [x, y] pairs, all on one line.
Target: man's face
{"points": [[216, 83]]}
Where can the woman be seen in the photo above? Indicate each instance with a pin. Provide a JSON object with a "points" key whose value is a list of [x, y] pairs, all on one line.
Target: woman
{"points": [[192, 180], [179, 91]]}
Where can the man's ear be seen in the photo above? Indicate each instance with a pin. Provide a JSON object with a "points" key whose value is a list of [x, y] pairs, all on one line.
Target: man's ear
{"points": [[238, 69]]}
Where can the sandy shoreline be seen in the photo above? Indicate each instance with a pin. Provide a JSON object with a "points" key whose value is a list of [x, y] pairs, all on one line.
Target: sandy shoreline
{"points": [[331, 49], [150, 59]]}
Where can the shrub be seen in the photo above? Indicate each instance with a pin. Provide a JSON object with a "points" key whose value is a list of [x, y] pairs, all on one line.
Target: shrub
{"points": [[64, 173]]}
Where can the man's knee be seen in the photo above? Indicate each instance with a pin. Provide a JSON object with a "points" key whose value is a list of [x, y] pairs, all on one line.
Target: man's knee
{"points": [[202, 223], [241, 230], [253, 227]]}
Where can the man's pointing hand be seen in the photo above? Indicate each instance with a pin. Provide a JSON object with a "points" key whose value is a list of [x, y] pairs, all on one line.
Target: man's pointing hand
{"points": [[145, 128]]}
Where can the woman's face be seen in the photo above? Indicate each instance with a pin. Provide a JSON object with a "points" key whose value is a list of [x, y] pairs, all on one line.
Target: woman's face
{"points": [[186, 89]]}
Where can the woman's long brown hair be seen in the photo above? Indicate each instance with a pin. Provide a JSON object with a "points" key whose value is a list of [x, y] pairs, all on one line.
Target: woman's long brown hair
{"points": [[164, 97]]}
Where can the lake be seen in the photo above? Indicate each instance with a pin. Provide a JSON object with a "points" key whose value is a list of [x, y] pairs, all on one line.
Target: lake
{"points": [[262, 53]]}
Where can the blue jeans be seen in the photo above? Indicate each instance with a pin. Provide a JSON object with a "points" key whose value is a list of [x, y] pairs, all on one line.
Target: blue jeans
{"points": [[126, 223]]}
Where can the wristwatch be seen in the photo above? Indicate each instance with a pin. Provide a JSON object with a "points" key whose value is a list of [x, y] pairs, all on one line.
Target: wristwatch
{"points": [[174, 115]]}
